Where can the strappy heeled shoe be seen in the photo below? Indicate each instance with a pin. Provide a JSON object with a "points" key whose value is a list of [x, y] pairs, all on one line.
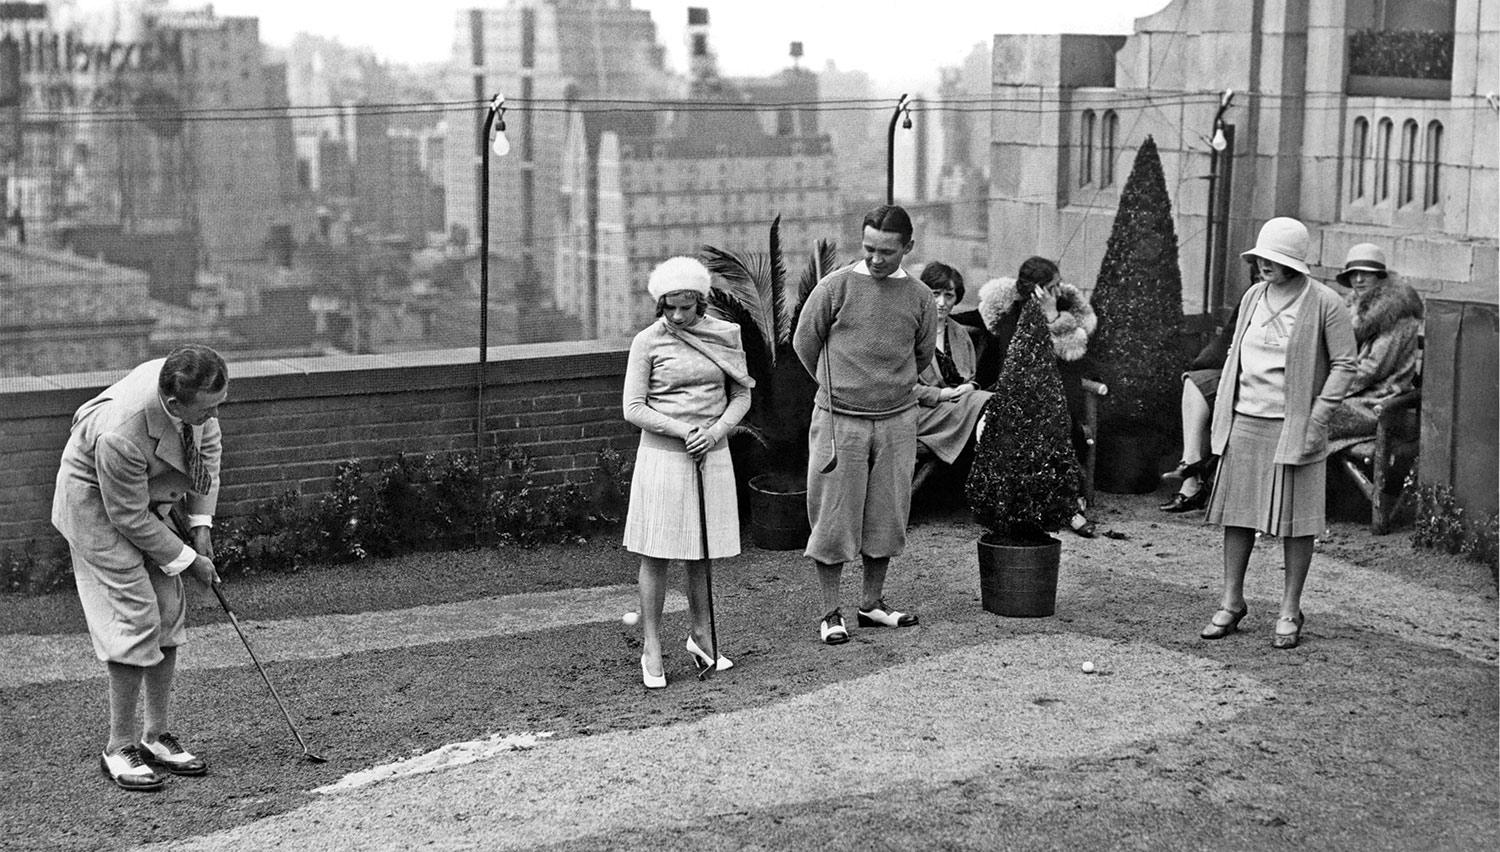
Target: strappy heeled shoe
{"points": [[1285, 641], [702, 660], [1215, 630], [650, 680]]}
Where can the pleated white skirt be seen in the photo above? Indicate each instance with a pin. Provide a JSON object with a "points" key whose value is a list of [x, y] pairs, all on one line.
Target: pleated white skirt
{"points": [[663, 518]]}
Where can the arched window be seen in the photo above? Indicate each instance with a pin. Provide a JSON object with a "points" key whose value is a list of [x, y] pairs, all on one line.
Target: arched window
{"points": [[1359, 154], [1406, 189], [1107, 131], [1383, 160], [1432, 191], [1086, 149]]}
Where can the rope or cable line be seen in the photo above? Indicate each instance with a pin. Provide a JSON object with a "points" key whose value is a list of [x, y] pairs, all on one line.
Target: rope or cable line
{"points": [[1050, 103]]}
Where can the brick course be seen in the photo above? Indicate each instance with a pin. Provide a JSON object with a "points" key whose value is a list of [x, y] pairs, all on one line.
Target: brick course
{"points": [[288, 423]]}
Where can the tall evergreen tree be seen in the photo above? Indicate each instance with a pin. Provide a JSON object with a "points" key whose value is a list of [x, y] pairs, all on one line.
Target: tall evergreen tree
{"points": [[1138, 299], [1024, 480]]}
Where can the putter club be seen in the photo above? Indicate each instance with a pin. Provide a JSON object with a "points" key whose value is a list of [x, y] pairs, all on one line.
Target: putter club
{"points": [[708, 576], [833, 444], [233, 619]]}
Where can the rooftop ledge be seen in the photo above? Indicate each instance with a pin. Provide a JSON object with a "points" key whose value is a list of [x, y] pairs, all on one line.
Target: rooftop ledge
{"points": [[341, 375]]}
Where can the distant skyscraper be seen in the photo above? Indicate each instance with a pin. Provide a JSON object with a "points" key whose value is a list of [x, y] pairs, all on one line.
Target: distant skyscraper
{"points": [[538, 53], [639, 187]]}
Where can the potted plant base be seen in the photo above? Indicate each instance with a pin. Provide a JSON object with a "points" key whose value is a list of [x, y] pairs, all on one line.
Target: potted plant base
{"points": [[778, 511], [1018, 577]]}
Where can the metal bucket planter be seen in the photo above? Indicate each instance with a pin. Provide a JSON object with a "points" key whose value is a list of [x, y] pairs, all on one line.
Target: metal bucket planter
{"points": [[1018, 578], [778, 511]]}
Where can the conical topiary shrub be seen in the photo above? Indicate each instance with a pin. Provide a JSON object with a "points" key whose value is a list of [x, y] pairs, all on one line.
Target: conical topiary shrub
{"points": [[1138, 299], [1024, 480]]}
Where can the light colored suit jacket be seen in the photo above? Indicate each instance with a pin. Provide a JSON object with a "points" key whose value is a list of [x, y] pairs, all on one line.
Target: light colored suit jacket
{"points": [[123, 468]]}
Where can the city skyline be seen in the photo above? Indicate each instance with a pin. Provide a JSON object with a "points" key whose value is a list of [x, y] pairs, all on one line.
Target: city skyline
{"points": [[749, 39]]}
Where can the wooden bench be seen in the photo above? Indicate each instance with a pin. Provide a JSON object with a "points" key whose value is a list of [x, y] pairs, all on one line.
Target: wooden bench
{"points": [[1378, 466]]}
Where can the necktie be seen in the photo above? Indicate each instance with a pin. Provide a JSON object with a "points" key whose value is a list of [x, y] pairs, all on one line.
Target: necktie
{"points": [[197, 470]]}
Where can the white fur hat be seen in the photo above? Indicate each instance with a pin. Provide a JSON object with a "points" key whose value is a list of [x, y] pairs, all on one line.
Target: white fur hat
{"points": [[678, 273]]}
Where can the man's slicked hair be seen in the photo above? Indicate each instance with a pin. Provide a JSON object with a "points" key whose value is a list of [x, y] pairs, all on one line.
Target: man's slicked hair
{"points": [[891, 218], [192, 369]]}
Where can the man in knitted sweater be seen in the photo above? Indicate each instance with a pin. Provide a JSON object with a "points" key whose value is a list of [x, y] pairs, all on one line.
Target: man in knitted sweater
{"points": [[876, 327]]}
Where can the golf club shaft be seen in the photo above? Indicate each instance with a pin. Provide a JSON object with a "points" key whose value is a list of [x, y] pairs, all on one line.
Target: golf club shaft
{"points": [[833, 444], [708, 571], [234, 620]]}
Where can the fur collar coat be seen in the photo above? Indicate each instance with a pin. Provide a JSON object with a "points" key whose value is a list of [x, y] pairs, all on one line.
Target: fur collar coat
{"points": [[1000, 305]]}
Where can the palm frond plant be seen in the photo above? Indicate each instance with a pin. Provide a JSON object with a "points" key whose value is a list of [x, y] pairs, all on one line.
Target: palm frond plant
{"points": [[751, 290]]}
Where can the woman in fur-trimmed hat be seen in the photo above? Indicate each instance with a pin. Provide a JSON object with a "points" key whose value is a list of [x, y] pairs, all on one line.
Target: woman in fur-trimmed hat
{"points": [[1071, 321], [1387, 326]]}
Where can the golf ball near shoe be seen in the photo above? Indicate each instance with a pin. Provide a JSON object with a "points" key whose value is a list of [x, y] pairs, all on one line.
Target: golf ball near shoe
{"points": [[1088, 667], [631, 618]]}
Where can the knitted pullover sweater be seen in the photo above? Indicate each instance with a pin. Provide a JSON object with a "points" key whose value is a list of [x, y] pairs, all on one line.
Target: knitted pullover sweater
{"points": [[880, 333]]}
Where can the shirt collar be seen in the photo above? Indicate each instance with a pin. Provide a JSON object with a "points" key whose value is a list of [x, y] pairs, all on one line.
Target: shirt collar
{"points": [[864, 269], [174, 420]]}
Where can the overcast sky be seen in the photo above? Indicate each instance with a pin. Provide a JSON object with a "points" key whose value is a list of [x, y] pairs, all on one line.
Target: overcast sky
{"points": [[750, 36]]}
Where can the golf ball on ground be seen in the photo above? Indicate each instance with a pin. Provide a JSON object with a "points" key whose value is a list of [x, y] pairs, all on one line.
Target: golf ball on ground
{"points": [[1088, 666], [631, 618]]}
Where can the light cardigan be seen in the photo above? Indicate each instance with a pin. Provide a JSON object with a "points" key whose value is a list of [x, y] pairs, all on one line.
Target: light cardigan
{"points": [[961, 349], [1320, 358], [672, 388]]}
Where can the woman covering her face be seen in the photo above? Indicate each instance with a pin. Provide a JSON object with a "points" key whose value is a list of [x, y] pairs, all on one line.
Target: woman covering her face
{"points": [[686, 387]]}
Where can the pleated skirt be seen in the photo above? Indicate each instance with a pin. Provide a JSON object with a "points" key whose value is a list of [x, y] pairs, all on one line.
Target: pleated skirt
{"points": [[1251, 490], [663, 518]]}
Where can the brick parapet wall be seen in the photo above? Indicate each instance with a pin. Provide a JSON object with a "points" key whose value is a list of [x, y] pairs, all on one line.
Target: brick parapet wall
{"points": [[288, 423]]}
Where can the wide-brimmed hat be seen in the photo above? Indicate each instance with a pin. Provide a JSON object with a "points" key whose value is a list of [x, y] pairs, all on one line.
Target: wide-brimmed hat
{"points": [[679, 273], [1366, 257], [1282, 240]]}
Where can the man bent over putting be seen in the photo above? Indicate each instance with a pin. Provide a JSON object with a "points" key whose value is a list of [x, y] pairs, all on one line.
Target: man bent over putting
{"points": [[877, 327], [147, 445]]}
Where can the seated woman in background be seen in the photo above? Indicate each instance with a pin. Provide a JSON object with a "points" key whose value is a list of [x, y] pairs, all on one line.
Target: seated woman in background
{"points": [[1071, 321], [1387, 317], [1199, 385], [949, 400]]}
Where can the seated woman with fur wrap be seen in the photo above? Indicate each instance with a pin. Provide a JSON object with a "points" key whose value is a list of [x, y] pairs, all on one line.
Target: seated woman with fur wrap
{"points": [[1387, 328]]}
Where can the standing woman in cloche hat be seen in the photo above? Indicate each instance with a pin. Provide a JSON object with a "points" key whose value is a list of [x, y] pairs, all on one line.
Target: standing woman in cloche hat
{"points": [[1289, 362], [686, 387]]}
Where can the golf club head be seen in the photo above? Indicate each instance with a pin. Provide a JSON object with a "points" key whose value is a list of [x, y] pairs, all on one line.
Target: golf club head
{"points": [[832, 463], [313, 758]]}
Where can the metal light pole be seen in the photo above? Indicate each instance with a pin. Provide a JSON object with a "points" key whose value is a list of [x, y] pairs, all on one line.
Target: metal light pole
{"points": [[494, 126], [1221, 145], [903, 108]]}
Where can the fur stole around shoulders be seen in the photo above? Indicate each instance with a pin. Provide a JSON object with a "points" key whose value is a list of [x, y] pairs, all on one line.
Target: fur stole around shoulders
{"points": [[1075, 323], [1384, 307]]}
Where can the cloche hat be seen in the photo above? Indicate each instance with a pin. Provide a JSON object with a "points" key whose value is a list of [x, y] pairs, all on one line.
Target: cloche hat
{"points": [[678, 273], [1282, 240], [1365, 257]]}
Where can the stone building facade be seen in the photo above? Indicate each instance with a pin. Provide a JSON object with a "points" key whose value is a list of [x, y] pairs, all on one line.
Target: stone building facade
{"points": [[1407, 158]]}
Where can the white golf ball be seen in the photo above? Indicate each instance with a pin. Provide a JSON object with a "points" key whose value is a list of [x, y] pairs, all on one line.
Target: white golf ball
{"points": [[1088, 667], [631, 618]]}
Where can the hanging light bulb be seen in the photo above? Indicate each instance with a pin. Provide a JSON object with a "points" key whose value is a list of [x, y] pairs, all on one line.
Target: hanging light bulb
{"points": [[500, 145], [1219, 143]]}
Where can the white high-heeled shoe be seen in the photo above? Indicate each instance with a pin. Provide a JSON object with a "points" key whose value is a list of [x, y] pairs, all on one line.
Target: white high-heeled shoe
{"points": [[650, 680], [702, 655]]}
